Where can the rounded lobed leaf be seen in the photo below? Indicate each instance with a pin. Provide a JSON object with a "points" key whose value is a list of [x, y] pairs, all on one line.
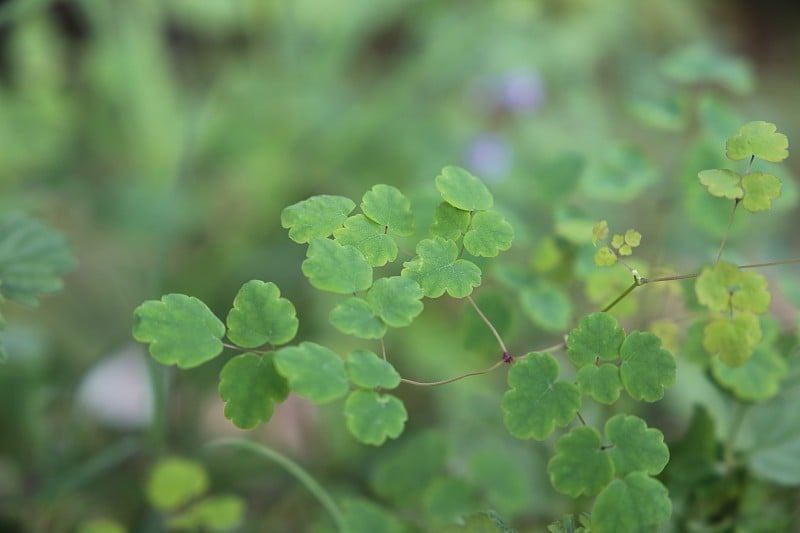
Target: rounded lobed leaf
{"points": [[635, 446], [396, 300], [547, 305], [714, 285], [597, 337], [753, 293], [354, 316], [370, 371], [536, 402], [604, 256], [387, 206], [250, 386], [217, 513], [580, 466], [180, 329], [631, 505], [722, 183], [760, 139], [314, 372], [373, 417], [174, 481], [437, 269], [260, 316], [760, 189], [461, 189], [599, 232], [329, 266], [732, 340], [368, 238], [633, 238], [647, 369], [601, 382], [757, 380], [449, 222], [488, 235], [317, 216]]}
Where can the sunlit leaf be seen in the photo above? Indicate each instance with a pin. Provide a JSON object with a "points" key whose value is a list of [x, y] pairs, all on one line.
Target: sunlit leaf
{"points": [[760, 189], [387, 206], [604, 256], [753, 293], [317, 216], [488, 235], [580, 466], [396, 300], [437, 269], [722, 183], [598, 336], [634, 446], [634, 504], [354, 316], [599, 232], [370, 371], [758, 379], [250, 387], [368, 238], [713, 285], [174, 481], [314, 372], [329, 266], [373, 417], [732, 340], [461, 189], [760, 139], [602, 382], [633, 238], [647, 369], [260, 316]]}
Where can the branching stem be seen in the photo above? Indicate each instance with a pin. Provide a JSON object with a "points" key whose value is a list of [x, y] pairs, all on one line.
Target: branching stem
{"points": [[636, 283], [727, 229], [488, 324]]}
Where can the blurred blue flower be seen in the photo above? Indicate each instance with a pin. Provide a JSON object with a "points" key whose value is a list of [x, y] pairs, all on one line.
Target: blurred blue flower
{"points": [[521, 90], [490, 156]]}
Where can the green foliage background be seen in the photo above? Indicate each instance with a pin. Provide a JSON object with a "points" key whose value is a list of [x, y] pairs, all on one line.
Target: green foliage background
{"points": [[163, 139]]}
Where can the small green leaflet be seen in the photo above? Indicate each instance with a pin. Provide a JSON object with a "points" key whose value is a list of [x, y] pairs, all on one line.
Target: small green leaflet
{"points": [[601, 382], [175, 481], [635, 447], [373, 417], [723, 285], [647, 369], [599, 232], [368, 238], [180, 329], [260, 316], [370, 371], [760, 189], [250, 386], [314, 372], [605, 256], [449, 222], [598, 336], [722, 183], [317, 216], [536, 402], [757, 380], [580, 466], [216, 513], [396, 300], [753, 293], [329, 266], [387, 206], [634, 504], [461, 189], [488, 235], [732, 340], [760, 139], [354, 316], [437, 269]]}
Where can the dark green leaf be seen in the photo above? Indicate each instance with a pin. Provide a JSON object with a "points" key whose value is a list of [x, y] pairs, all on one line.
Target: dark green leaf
{"points": [[260, 316], [580, 466], [597, 337], [250, 386], [647, 369], [373, 417], [635, 447], [635, 504]]}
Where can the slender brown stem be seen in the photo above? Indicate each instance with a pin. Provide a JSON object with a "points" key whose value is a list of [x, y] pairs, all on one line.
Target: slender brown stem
{"points": [[727, 229], [583, 422], [643, 281], [489, 324], [451, 380], [773, 263]]}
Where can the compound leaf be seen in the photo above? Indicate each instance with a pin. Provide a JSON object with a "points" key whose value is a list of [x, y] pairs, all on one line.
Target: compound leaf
{"points": [[600, 382], [580, 465], [635, 446], [647, 368], [32, 258], [368, 238], [329, 266], [437, 269], [488, 235], [314, 372], [753, 293], [631, 505], [732, 340], [373, 417], [260, 316], [760, 189], [250, 386], [396, 300], [547, 306], [317, 216], [760, 139], [174, 481], [598, 336], [758, 379], [714, 284], [449, 222], [536, 402], [461, 189], [722, 183], [354, 316], [370, 371], [216, 513], [387, 206], [180, 329]]}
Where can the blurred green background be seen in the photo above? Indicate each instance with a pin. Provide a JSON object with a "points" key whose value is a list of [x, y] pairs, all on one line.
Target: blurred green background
{"points": [[163, 138]]}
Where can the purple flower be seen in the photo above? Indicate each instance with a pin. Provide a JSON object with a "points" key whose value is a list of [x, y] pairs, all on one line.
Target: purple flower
{"points": [[490, 156], [521, 90]]}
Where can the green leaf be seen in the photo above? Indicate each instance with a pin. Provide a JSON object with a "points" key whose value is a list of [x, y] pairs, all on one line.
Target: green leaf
{"points": [[329, 266], [600, 382], [217, 513], [250, 387], [489, 234], [760, 189], [580, 466], [599, 232], [317, 216], [760, 139], [437, 269], [714, 284], [32, 258], [617, 241], [396, 300], [547, 306], [180, 329], [633, 238], [597, 337], [461, 189], [536, 402], [260, 316], [368, 238], [370, 371], [314, 372], [387, 206], [175, 481], [604, 256], [732, 340], [635, 447], [634, 504], [364, 516], [404, 471], [373, 417], [722, 183], [757, 380], [354, 316], [647, 368], [753, 293], [449, 222]]}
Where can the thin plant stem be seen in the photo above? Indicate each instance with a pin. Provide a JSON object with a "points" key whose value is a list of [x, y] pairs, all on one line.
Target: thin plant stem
{"points": [[489, 324], [451, 380], [727, 230], [383, 349], [625, 293], [294, 469], [578, 413]]}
